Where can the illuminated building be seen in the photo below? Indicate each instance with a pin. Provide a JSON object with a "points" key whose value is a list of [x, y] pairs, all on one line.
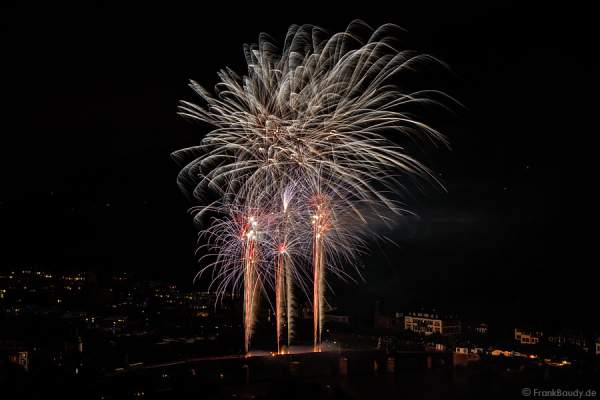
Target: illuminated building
{"points": [[16, 353], [431, 323], [569, 339], [527, 337], [21, 358], [468, 349], [478, 328]]}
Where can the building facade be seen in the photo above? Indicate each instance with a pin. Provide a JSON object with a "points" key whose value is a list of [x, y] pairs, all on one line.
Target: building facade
{"points": [[431, 323], [527, 337]]}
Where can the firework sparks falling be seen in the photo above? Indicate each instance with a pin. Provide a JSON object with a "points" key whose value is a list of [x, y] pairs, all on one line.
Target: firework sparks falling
{"points": [[304, 147]]}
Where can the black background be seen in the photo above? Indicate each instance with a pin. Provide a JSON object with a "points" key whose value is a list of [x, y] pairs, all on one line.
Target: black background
{"points": [[89, 120]]}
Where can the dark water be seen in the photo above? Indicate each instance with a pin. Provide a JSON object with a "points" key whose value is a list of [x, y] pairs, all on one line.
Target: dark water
{"points": [[313, 378], [466, 383], [474, 382]]}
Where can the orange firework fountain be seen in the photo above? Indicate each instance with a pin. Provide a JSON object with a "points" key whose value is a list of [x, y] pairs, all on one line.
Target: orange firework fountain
{"points": [[250, 280], [280, 295], [320, 222]]}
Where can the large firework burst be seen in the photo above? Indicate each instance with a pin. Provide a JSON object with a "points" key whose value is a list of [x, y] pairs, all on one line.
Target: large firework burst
{"points": [[303, 153]]}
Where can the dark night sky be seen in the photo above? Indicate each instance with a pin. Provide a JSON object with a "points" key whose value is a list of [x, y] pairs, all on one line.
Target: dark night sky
{"points": [[89, 120]]}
